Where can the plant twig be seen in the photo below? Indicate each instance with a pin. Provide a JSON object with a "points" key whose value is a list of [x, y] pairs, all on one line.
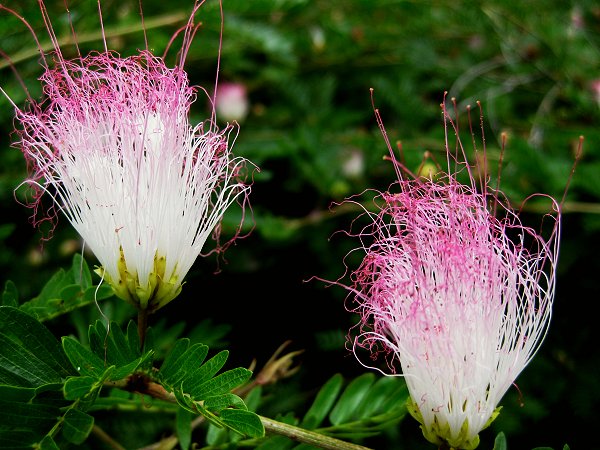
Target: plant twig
{"points": [[307, 436], [142, 326], [104, 437]]}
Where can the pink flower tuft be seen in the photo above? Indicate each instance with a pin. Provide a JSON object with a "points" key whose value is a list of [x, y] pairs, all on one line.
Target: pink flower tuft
{"points": [[458, 297], [112, 143]]}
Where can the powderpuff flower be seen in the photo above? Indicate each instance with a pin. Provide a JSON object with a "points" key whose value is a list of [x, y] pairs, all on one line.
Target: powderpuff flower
{"points": [[113, 145], [456, 295]]}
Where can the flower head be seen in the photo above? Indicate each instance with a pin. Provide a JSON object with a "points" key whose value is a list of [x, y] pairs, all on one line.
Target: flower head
{"points": [[113, 145], [458, 296]]}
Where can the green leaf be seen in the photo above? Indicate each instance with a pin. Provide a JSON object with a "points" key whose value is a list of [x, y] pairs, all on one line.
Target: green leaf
{"points": [[196, 391], [356, 418], [52, 288], [70, 295], [103, 343], [184, 428], [84, 360], [385, 394], [124, 371], [77, 425], [96, 293], [323, 403], [221, 384], [219, 402], [16, 394], [186, 402], [133, 338], [28, 416], [112, 344], [113, 349], [216, 435], [351, 398], [48, 444], [30, 355], [79, 387], [10, 296], [171, 365], [81, 271], [500, 442], [191, 381], [397, 397], [244, 422], [84, 390], [26, 420], [66, 291], [253, 398], [195, 374], [351, 407], [17, 439], [183, 363]]}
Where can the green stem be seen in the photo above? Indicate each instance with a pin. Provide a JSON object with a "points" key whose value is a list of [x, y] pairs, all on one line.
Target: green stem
{"points": [[307, 436], [142, 326]]}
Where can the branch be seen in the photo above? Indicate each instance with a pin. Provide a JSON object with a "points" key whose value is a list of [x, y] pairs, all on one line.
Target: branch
{"points": [[298, 434], [307, 437]]}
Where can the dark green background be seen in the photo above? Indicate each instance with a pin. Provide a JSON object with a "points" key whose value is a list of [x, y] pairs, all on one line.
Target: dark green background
{"points": [[308, 66]]}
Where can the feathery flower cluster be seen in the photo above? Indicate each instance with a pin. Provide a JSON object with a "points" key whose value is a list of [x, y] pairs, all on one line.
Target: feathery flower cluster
{"points": [[113, 145], [458, 298]]}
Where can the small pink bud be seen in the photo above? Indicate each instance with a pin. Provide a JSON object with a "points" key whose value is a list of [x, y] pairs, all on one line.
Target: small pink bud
{"points": [[232, 102], [353, 165]]}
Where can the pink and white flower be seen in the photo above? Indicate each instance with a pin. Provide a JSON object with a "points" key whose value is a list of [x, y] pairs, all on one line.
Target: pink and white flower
{"points": [[457, 296], [113, 145]]}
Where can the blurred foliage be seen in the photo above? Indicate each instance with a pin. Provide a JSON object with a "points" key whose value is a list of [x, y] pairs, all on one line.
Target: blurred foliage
{"points": [[307, 66]]}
